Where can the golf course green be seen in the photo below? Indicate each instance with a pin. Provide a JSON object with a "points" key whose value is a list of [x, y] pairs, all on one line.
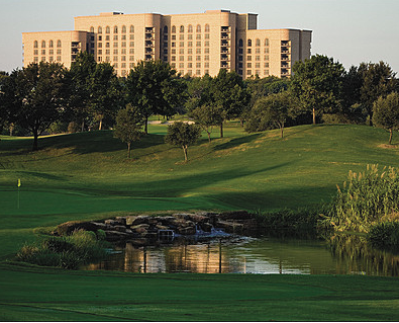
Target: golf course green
{"points": [[87, 176]]}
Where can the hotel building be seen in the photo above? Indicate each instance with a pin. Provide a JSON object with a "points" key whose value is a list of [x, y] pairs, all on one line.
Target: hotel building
{"points": [[193, 44]]}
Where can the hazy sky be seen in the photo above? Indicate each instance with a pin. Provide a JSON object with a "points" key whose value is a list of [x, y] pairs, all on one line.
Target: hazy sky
{"points": [[350, 31]]}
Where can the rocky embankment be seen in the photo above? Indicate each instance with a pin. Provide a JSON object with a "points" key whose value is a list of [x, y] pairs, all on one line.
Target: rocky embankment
{"points": [[144, 229]]}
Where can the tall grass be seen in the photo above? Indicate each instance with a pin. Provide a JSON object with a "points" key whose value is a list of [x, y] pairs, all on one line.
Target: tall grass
{"points": [[366, 199], [69, 252]]}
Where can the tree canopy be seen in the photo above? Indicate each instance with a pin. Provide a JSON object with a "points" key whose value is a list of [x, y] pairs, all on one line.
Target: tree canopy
{"points": [[183, 135], [386, 113]]}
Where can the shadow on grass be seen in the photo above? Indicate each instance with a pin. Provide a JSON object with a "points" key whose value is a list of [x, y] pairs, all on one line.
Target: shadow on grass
{"points": [[236, 142]]}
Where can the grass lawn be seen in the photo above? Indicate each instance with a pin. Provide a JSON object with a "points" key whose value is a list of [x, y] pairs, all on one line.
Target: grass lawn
{"points": [[87, 176]]}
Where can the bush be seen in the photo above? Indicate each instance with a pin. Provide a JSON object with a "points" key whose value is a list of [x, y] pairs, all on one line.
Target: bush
{"points": [[385, 236], [366, 199]]}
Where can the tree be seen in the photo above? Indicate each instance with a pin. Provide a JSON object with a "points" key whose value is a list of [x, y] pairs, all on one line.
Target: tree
{"points": [[153, 87], [183, 135], [7, 99], [229, 95], [40, 93], [206, 116], [386, 113], [378, 79], [317, 83], [105, 93], [79, 78], [271, 112], [128, 126]]}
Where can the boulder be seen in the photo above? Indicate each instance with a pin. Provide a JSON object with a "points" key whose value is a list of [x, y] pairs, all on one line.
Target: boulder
{"points": [[141, 219], [130, 219]]}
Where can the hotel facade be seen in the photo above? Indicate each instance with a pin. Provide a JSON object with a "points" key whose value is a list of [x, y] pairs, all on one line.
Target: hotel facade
{"points": [[193, 44]]}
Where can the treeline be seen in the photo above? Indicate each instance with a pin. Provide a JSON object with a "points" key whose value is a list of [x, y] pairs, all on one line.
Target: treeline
{"points": [[47, 97]]}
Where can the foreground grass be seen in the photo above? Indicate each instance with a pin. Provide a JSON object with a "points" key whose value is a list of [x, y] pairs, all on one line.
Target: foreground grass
{"points": [[36, 294]]}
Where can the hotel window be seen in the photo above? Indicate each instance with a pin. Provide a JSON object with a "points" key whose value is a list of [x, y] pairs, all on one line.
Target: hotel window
{"points": [[249, 42], [123, 29], [198, 72], [107, 37], [131, 44], [207, 29], [107, 30], [100, 45], [190, 51], [181, 37], [257, 42], [198, 57], [198, 36], [51, 51], [257, 65], [173, 37], [115, 37], [124, 44], [131, 65], [190, 44], [107, 52], [173, 29], [35, 44], [100, 30], [36, 59], [165, 29], [115, 52], [173, 44], [206, 50], [267, 50], [131, 37], [181, 58], [240, 43], [190, 65], [266, 72], [123, 59], [267, 42], [190, 28], [92, 29], [107, 59], [206, 43], [58, 51], [100, 38], [51, 59], [249, 65], [165, 44], [207, 36], [115, 64], [181, 65], [173, 51], [123, 71], [115, 44], [51, 44], [266, 65], [249, 58], [189, 72], [249, 72], [257, 72], [182, 29], [181, 51], [266, 58], [124, 51], [198, 50], [207, 65], [58, 58], [190, 37], [100, 52], [249, 51], [182, 44], [43, 44], [43, 52], [198, 44], [131, 29], [173, 65], [190, 58], [198, 28], [207, 57], [131, 51], [257, 58], [107, 45], [257, 50], [198, 65], [131, 58], [58, 43], [240, 58], [35, 52]]}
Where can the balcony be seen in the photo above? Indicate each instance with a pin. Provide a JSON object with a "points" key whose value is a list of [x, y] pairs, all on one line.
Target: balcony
{"points": [[285, 58], [149, 44], [225, 58], [285, 43], [285, 52], [225, 29]]}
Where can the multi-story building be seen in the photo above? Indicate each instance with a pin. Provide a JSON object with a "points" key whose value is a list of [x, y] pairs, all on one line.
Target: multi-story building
{"points": [[193, 44]]}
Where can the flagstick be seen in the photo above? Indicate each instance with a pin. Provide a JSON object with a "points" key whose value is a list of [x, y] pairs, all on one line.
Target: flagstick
{"points": [[18, 197]]}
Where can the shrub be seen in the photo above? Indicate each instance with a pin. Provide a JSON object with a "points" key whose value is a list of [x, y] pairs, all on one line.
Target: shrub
{"points": [[385, 236], [366, 199]]}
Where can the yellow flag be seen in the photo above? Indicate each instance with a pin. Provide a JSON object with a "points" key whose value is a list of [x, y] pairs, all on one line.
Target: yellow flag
{"points": [[19, 182]]}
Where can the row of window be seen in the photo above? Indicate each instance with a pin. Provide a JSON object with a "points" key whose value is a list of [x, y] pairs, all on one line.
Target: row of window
{"points": [[165, 29], [43, 52], [257, 42], [50, 44], [257, 72], [189, 58], [51, 59]]}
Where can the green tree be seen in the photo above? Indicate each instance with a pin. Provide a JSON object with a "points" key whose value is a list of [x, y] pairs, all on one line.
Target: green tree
{"points": [[386, 113], [206, 116], [183, 135], [378, 80], [272, 112], [129, 123], [153, 87], [229, 95], [317, 83], [79, 78], [40, 91], [7, 100], [105, 93]]}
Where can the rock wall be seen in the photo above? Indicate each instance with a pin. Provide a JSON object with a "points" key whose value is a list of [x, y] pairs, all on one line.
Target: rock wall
{"points": [[151, 230]]}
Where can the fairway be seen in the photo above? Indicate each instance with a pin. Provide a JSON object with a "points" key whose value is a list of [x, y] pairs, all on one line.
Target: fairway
{"points": [[87, 176]]}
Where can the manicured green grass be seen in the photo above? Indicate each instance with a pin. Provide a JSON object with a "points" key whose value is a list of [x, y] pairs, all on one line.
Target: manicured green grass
{"points": [[51, 295], [87, 176]]}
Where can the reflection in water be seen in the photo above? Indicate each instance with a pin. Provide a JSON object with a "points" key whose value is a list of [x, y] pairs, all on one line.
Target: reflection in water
{"points": [[340, 255]]}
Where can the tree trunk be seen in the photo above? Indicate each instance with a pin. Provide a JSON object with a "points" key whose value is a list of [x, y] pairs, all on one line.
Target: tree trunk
{"points": [[390, 135], [83, 125], [185, 153], [11, 129], [146, 125], [282, 130], [221, 129], [128, 150], [35, 140], [314, 116], [101, 124], [209, 136]]}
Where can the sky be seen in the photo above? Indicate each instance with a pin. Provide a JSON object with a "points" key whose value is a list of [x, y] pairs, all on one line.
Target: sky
{"points": [[349, 31]]}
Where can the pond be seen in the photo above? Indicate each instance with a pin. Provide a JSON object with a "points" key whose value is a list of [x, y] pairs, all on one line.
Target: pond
{"points": [[346, 255]]}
